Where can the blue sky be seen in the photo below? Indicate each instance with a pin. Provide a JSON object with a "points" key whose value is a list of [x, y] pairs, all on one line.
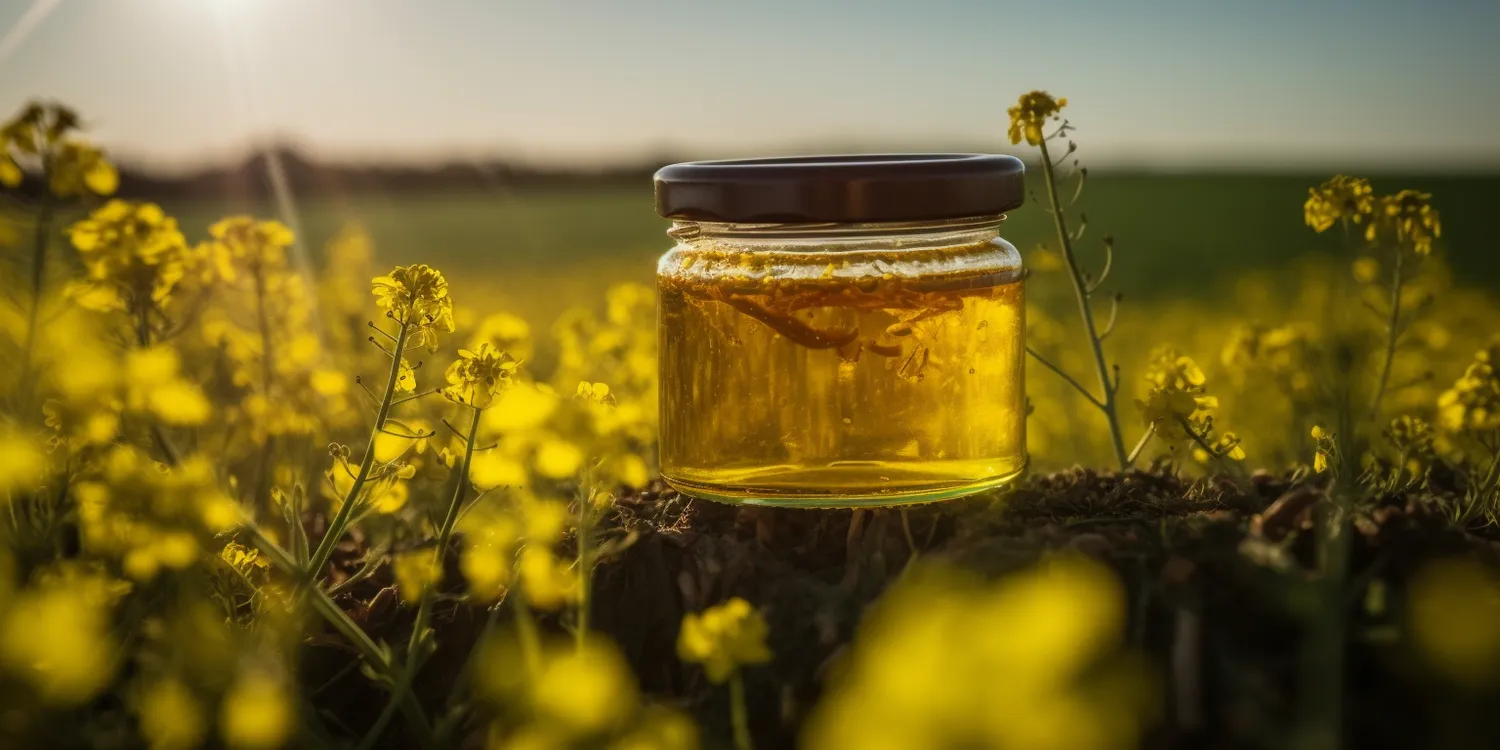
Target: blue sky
{"points": [[1168, 83]]}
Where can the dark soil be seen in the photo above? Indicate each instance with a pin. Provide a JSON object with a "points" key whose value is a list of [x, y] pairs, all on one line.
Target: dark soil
{"points": [[1220, 577]]}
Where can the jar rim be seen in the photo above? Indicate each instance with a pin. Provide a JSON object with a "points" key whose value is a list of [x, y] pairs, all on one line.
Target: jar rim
{"points": [[853, 188]]}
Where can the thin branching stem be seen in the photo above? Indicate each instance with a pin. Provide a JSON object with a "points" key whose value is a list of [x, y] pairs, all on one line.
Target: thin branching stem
{"points": [[739, 718], [1140, 445], [1109, 263], [444, 538], [1065, 376], [43, 241], [585, 556], [340, 521], [415, 396], [1109, 325], [1393, 332], [1085, 310], [378, 657]]}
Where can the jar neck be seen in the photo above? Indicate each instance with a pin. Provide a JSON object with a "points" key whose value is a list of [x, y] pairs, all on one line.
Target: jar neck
{"points": [[835, 237]]}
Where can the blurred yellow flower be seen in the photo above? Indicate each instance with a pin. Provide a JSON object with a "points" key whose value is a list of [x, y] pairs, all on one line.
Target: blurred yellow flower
{"points": [[418, 296], [547, 582], [57, 639], [244, 242], [476, 377], [723, 639], [1030, 114], [257, 713], [1366, 270], [24, 463], [41, 134], [506, 332], [171, 716], [1472, 405], [1341, 198], [149, 516], [134, 256], [155, 386], [558, 459], [1409, 216], [415, 572], [1454, 607], [492, 469], [597, 393], [587, 690], [1030, 661]]}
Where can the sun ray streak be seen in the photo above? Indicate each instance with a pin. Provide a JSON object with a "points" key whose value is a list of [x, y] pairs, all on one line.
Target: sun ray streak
{"points": [[26, 24]]}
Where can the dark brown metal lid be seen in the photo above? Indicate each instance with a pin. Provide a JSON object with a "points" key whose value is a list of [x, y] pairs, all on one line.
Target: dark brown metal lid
{"points": [[855, 188]]}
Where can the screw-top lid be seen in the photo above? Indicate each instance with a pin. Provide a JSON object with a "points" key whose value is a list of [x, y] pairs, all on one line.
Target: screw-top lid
{"points": [[855, 188]]}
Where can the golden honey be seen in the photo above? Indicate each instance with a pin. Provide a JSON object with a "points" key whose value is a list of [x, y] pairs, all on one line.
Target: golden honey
{"points": [[869, 378], [839, 331]]}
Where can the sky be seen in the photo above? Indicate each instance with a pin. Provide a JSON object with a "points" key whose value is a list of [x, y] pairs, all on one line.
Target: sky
{"points": [[1168, 84]]}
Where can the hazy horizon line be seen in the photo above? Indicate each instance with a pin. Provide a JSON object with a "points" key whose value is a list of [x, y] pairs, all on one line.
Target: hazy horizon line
{"points": [[1116, 159]]}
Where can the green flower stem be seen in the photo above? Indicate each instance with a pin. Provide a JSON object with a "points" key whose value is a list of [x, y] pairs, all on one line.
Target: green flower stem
{"points": [[267, 451], [170, 454], [585, 559], [1391, 334], [1065, 376], [43, 240], [739, 717], [1086, 311], [531, 644], [372, 652], [1140, 445], [341, 519], [445, 536]]}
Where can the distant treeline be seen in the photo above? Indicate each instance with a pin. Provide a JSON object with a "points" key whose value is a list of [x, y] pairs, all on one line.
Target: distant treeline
{"points": [[250, 179]]}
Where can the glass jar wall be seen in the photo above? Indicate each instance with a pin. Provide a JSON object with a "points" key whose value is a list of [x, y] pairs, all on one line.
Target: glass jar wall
{"points": [[840, 363]]}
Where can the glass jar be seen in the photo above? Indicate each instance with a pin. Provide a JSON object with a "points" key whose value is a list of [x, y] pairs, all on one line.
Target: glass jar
{"points": [[841, 331]]}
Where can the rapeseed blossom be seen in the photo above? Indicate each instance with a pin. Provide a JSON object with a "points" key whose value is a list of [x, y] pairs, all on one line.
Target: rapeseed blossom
{"points": [[134, 254], [1340, 199], [417, 295], [1030, 114], [476, 377], [1030, 661], [1410, 218], [724, 639]]}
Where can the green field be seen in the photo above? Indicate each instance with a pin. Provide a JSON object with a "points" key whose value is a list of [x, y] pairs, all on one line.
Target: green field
{"points": [[535, 252]]}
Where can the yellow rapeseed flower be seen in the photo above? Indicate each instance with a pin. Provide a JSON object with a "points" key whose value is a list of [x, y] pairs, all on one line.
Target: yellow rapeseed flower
{"points": [[133, 254], [416, 571], [1341, 198], [1410, 217], [558, 459], [724, 638], [1030, 661], [1454, 606], [1472, 405], [1030, 114], [244, 242], [586, 690], [418, 296], [57, 639], [41, 133], [171, 716], [1176, 398], [476, 377], [155, 386], [24, 462], [257, 714], [547, 581]]}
